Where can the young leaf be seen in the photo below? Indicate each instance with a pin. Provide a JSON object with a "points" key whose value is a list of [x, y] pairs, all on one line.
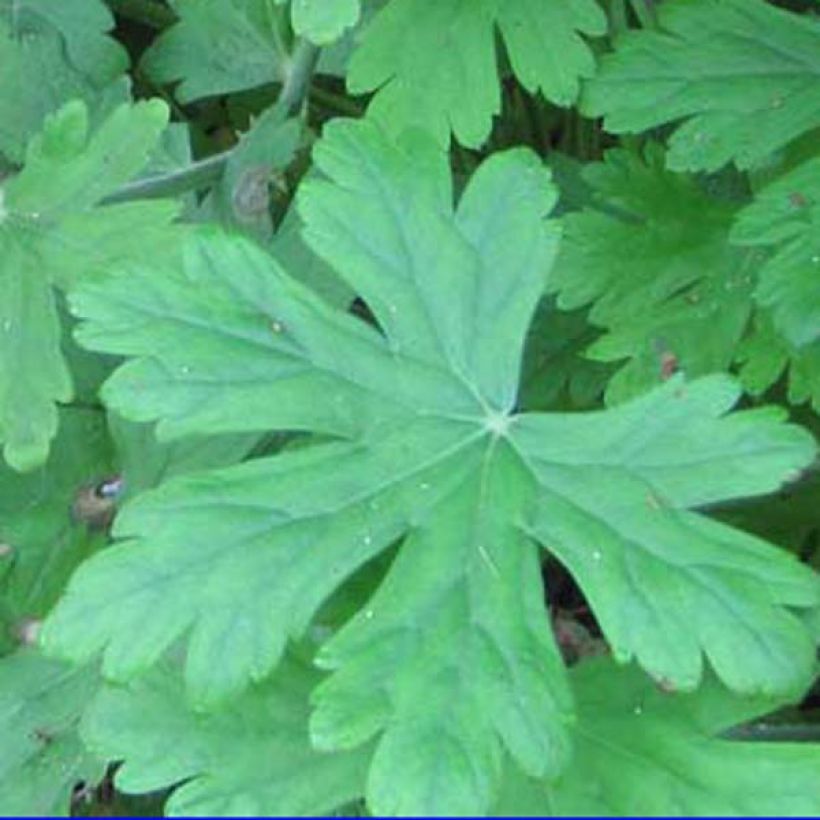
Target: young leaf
{"points": [[742, 73], [218, 47], [50, 233], [51, 53], [41, 757], [452, 660], [251, 758], [420, 57], [786, 217], [640, 751], [652, 256]]}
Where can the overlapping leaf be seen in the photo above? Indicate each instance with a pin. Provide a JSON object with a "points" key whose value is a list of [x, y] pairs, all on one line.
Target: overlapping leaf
{"points": [[652, 256], [785, 216], [642, 752], [51, 234], [252, 758], [741, 73], [423, 58], [451, 663], [51, 53], [41, 756]]}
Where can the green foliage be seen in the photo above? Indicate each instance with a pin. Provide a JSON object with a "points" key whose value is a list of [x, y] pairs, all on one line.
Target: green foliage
{"points": [[51, 233], [42, 757], [51, 53], [333, 447], [422, 56], [641, 751], [250, 758], [741, 73], [786, 217]]}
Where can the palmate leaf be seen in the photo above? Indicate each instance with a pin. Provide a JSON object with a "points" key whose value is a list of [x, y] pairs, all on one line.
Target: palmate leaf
{"points": [[642, 752], [51, 233], [51, 53], [41, 756], [452, 661], [252, 758], [785, 216], [741, 73], [423, 57], [651, 255]]}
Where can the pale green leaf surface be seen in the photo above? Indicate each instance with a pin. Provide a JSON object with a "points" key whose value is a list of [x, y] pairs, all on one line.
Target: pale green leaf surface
{"points": [[218, 48], [785, 217], [422, 57], [667, 585], [41, 756], [642, 752], [742, 74], [50, 234], [239, 560], [251, 758], [652, 257], [51, 52]]}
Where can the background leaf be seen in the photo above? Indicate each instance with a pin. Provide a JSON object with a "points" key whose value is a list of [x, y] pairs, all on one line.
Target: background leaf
{"points": [[739, 72]]}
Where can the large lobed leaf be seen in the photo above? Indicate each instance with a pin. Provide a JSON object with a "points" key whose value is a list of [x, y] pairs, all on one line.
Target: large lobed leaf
{"points": [[452, 662], [51, 233], [741, 73], [423, 58]]}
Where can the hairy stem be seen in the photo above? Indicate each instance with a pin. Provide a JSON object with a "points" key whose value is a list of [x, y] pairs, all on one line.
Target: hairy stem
{"points": [[205, 172]]}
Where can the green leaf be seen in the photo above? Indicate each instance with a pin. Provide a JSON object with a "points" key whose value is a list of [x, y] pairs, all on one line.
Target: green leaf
{"points": [[252, 758], [651, 254], [642, 752], [452, 661], [785, 216], [324, 22], [420, 57], [741, 73], [41, 757], [218, 48], [50, 53], [51, 234], [765, 356]]}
